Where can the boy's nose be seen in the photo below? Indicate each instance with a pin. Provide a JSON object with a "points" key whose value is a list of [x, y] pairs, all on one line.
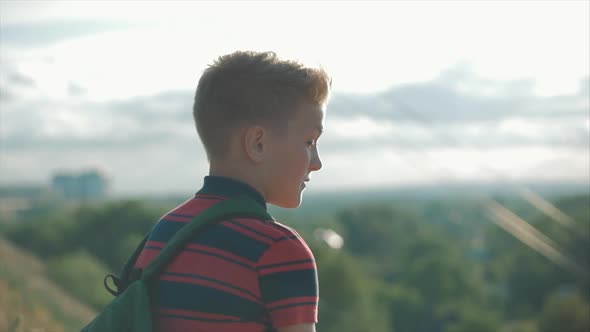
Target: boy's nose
{"points": [[316, 163]]}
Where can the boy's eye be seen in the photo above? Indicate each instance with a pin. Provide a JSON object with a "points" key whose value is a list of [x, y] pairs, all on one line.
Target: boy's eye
{"points": [[310, 143]]}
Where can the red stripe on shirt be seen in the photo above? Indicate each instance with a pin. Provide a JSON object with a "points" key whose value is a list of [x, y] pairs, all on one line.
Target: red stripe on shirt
{"points": [[215, 268], [220, 252], [297, 315], [209, 196], [174, 324], [179, 219], [287, 268], [158, 244], [262, 227], [287, 251], [196, 314], [247, 232], [210, 284], [146, 256]]}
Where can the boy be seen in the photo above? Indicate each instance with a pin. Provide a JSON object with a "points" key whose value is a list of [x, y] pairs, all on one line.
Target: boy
{"points": [[259, 119]]}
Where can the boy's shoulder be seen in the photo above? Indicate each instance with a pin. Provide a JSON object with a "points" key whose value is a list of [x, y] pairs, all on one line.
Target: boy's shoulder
{"points": [[267, 242], [270, 229]]}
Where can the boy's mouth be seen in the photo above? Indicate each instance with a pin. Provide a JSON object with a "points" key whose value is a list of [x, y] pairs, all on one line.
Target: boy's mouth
{"points": [[303, 183]]}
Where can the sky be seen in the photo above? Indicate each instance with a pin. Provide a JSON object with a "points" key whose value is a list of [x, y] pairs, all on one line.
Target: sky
{"points": [[423, 92]]}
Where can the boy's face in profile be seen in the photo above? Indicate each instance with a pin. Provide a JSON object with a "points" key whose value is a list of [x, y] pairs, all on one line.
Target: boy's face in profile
{"points": [[293, 156]]}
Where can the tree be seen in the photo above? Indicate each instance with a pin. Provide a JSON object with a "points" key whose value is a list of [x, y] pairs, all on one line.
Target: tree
{"points": [[106, 232], [82, 275], [565, 313], [347, 295]]}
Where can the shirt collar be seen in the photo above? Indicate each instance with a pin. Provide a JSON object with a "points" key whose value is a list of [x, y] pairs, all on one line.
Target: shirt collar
{"points": [[228, 187]]}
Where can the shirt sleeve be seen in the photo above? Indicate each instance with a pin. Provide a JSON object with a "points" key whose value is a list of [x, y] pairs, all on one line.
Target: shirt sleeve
{"points": [[288, 282]]}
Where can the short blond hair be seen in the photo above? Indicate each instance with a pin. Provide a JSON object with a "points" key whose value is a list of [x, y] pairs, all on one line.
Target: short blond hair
{"points": [[248, 87]]}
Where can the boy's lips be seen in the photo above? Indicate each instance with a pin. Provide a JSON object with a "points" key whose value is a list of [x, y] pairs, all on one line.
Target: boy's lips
{"points": [[304, 181]]}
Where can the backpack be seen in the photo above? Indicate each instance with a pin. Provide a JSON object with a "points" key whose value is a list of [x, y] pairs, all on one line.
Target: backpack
{"points": [[130, 311]]}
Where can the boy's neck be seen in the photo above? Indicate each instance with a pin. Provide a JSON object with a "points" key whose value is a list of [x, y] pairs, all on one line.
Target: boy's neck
{"points": [[228, 187], [238, 176]]}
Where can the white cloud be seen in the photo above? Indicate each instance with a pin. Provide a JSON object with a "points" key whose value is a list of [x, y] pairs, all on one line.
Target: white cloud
{"points": [[384, 167], [358, 127], [152, 168], [493, 114], [367, 47]]}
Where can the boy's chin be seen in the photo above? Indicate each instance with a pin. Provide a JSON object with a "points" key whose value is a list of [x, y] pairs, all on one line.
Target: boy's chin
{"points": [[288, 204]]}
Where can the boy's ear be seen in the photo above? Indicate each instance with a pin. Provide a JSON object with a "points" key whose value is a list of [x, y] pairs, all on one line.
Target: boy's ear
{"points": [[254, 143]]}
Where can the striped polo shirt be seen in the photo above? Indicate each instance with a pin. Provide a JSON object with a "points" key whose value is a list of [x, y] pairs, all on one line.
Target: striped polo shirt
{"points": [[240, 275]]}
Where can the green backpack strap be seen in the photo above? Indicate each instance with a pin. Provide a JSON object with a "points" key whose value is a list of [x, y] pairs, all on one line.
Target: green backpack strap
{"points": [[131, 311], [240, 206], [127, 272]]}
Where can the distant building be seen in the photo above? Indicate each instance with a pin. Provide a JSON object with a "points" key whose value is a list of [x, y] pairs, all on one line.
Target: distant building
{"points": [[87, 186]]}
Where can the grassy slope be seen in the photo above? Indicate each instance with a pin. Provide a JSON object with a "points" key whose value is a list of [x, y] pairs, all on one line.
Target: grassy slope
{"points": [[29, 301]]}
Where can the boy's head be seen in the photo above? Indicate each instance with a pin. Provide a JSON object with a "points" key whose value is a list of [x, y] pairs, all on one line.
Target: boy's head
{"points": [[247, 104]]}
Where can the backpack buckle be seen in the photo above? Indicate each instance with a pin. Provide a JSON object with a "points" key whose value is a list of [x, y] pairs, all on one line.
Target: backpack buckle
{"points": [[116, 281]]}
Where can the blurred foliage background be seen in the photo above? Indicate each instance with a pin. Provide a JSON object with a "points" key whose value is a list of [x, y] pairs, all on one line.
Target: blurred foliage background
{"points": [[436, 264]]}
